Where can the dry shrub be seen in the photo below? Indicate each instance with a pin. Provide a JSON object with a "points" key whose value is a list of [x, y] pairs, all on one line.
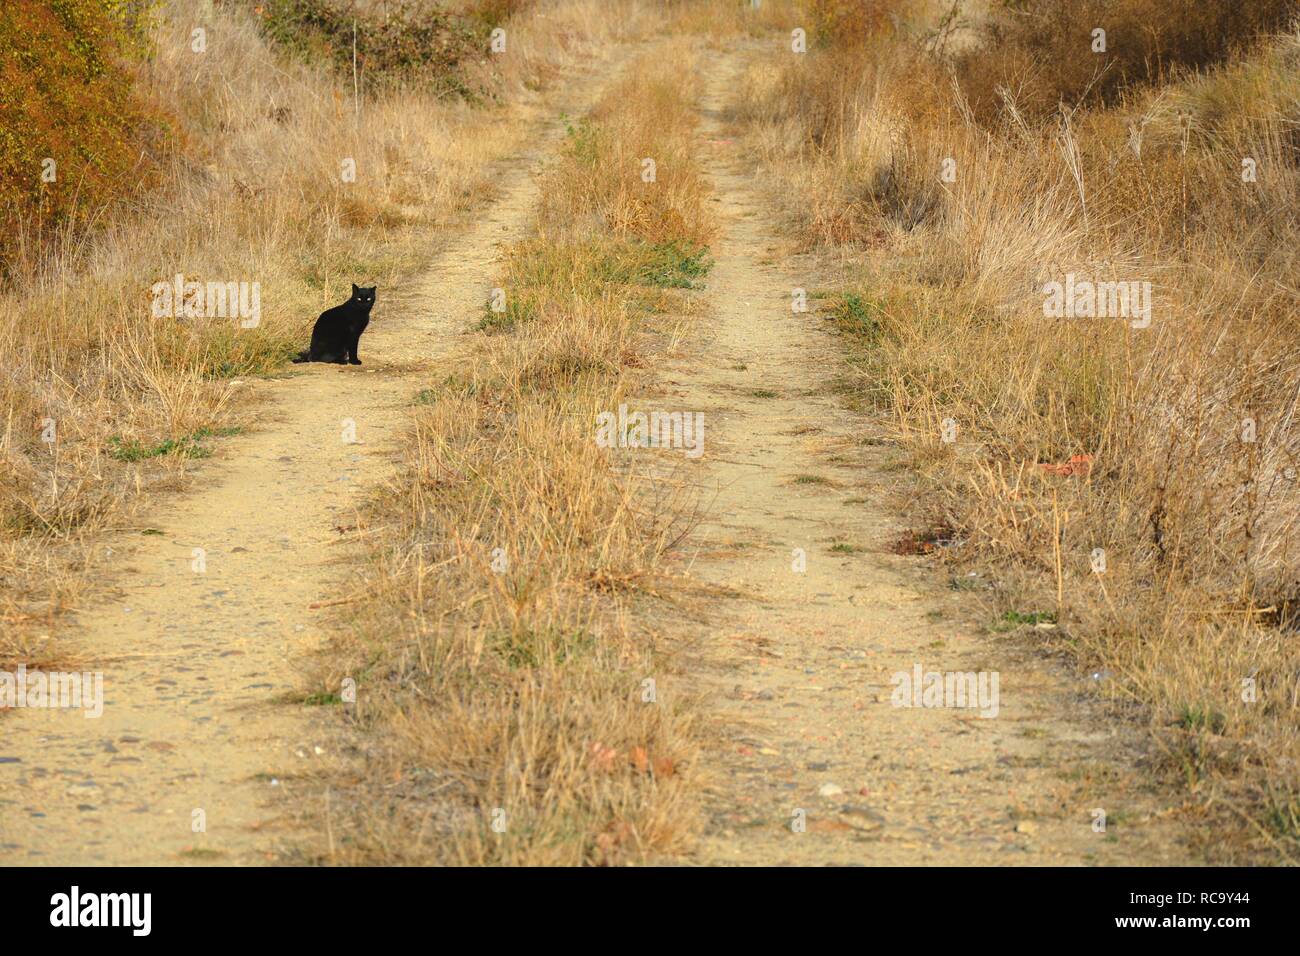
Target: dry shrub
{"points": [[402, 43], [67, 94], [1044, 48]]}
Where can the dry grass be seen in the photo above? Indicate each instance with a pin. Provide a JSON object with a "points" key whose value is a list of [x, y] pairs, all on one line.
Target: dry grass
{"points": [[257, 196], [1048, 51], [1193, 510], [721, 21], [501, 675]]}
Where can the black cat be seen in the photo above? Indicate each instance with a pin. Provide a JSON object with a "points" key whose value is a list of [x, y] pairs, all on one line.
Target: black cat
{"points": [[338, 330]]}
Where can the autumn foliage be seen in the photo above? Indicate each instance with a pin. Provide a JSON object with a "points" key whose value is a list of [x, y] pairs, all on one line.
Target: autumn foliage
{"points": [[67, 95]]}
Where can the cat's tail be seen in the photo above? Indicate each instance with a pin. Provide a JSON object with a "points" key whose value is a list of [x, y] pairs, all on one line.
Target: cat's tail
{"points": [[303, 356]]}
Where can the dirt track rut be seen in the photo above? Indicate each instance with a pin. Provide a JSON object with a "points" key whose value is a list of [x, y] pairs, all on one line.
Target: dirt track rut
{"points": [[801, 663]]}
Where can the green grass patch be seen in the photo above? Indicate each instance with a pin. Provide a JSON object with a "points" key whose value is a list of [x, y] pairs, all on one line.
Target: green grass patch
{"points": [[129, 450], [857, 316], [1283, 817], [321, 699], [1196, 717], [518, 309], [1014, 619], [669, 265], [541, 272], [583, 140], [453, 386], [201, 853], [528, 648]]}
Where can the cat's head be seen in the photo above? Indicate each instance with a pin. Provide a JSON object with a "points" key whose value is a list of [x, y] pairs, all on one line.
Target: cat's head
{"points": [[363, 295]]}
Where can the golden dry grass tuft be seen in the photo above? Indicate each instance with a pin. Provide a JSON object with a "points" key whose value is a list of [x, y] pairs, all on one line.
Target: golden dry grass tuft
{"points": [[502, 677]]}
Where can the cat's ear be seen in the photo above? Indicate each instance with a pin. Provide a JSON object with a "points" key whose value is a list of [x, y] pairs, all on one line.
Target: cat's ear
{"points": [[371, 290], [355, 288]]}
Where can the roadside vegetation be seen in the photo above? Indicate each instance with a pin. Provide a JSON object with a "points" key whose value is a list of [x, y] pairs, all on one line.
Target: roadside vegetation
{"points": [[509, 708], [396, 44], [1137, 483]]}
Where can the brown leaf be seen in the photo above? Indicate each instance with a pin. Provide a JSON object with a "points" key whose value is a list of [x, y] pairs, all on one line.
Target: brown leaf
{"points": [[1077, 465], [640, 759], [828, 826], [602, 757], [611, 843]]}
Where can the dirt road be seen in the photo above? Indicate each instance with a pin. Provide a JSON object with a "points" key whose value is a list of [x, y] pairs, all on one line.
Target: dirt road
{"points": [[815, 764]]}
